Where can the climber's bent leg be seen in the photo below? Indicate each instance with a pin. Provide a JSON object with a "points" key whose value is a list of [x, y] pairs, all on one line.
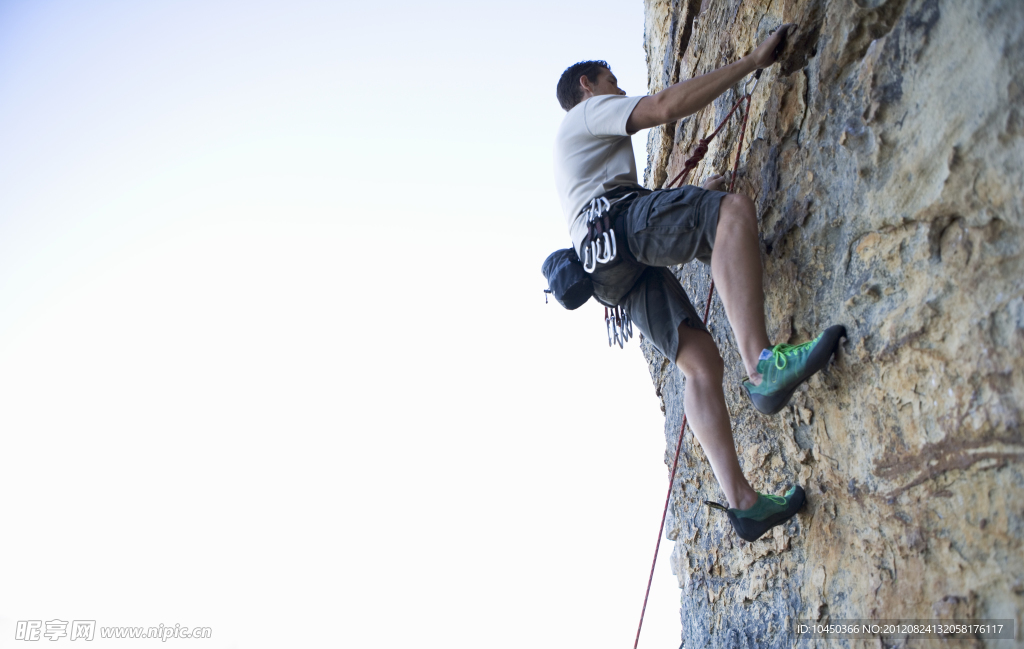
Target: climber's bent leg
{"points": [[736, 269], [775, 372], [662, 312], [707, 414], [674, 226]]}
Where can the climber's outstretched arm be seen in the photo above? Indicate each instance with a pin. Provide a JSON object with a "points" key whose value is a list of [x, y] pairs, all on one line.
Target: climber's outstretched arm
{"points": [[687, 97]]}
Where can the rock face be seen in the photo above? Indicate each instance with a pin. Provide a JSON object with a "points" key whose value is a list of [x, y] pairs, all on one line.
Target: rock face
{"points": [[885, 154]]}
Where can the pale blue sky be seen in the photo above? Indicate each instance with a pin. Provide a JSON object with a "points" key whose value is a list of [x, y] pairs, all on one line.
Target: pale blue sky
{"points": [[274, 356]]}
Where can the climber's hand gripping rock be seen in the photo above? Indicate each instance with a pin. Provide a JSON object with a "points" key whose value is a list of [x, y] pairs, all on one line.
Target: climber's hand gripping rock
{"points": [[716, 183], [767, 52]]}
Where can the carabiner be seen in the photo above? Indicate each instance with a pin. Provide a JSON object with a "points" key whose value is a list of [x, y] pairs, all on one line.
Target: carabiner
{"points": [[621, 320], [757, 79], [588, 252], [606, 248]]}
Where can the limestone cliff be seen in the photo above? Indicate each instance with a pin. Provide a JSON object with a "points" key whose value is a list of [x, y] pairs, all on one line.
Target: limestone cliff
{"points": [[886, 157]]}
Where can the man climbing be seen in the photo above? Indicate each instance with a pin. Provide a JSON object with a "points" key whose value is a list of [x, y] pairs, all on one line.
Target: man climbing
{"points": [[595, 173]]}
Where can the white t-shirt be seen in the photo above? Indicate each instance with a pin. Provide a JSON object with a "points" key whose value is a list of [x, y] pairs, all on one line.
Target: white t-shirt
{"points": [[593, 155]]}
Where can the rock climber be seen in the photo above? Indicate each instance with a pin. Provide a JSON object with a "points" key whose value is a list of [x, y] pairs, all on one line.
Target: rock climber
{"points": [[594, 164]]}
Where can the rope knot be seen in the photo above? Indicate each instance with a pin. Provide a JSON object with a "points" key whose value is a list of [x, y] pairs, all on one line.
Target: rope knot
{"points": [[698, 155]]}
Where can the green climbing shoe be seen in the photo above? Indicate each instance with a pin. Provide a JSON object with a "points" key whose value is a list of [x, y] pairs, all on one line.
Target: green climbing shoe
{"points": [[767, 512], [788, 367]]}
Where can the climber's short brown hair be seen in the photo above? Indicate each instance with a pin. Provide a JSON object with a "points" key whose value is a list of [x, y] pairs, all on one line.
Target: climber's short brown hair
{"points": [[568, 90]]}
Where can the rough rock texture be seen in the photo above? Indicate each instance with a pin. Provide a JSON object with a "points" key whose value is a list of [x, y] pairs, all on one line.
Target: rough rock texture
{"points": [[886, 157]]}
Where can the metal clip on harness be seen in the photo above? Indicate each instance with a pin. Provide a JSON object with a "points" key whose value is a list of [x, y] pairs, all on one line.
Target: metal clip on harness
{"points": [[599, 246], [618, 324]]}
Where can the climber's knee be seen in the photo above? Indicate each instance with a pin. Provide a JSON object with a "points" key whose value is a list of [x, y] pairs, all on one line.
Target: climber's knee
{"points": [[697, 356], [736, 215]]}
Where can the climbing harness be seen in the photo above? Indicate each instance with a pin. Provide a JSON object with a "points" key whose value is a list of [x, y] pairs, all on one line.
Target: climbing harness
{"points": [[569, 276], [690, 164], [599, 246]]}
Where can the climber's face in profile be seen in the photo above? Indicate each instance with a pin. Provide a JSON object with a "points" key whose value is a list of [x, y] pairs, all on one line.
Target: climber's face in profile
{"points": [[605, 84]]}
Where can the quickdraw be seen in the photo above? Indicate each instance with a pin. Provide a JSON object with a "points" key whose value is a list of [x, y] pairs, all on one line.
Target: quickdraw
{"points": [[618, 324]]}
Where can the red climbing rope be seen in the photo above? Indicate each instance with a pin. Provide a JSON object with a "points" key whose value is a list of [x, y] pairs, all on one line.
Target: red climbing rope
{"points": [[690, 164]]}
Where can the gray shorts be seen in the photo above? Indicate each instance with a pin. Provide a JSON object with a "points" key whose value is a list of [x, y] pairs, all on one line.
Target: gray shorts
{"points": [[663, 228]]}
